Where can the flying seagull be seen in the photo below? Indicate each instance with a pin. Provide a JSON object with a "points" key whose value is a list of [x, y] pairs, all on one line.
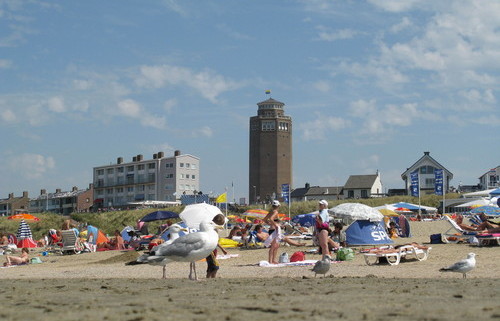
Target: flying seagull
{"points": [[462, 266]]}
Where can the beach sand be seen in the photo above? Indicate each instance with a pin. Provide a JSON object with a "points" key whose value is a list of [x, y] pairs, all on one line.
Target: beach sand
{"points": [[100, 286]]}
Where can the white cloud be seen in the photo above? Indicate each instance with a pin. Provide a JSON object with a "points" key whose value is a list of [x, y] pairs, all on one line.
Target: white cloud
{"points": [[394, 5], [169, 104], [322, 85], [319, 128], [8, 116], [205, 131], [209, 84], [133, 109], [32, 166], [175, 6], [56, 104], [4, 63], [327, 35], [404, 24]]}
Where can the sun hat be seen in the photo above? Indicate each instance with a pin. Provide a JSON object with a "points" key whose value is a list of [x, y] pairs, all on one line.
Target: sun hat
{"points": [[323, 202], [276, 203]]}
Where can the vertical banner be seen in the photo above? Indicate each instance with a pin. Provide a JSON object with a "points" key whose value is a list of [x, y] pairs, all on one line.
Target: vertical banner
{"points": [[438, 181], [285, 193], [415, 191]]}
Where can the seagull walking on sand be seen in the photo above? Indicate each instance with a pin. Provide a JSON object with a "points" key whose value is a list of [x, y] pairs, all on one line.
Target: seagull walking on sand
{"points": [[174, 230], [322, 266], [462, 266], [187, 248]]}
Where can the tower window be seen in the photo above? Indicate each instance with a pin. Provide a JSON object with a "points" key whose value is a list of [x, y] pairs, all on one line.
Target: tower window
{"points": [[268, 125]]}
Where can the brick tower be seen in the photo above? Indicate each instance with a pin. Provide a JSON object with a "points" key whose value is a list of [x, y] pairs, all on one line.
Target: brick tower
{"points": [[270, 152]]}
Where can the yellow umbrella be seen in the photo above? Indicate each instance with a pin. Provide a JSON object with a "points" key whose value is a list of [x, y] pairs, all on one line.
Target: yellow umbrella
{"points": [[388, 212]]}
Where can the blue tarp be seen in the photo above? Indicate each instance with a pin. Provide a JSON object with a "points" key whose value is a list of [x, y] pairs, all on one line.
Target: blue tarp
{"points": [[363, 232], [306, 220], [159, 215]]}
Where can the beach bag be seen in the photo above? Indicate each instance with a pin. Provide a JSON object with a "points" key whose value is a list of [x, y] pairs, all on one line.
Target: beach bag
{"points": [[345, 254], [436, 239], [35, 260], [284, 258], [298, 256]]}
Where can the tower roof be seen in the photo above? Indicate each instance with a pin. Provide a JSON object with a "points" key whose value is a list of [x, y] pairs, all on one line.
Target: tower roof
{"points": [[270, 101]]}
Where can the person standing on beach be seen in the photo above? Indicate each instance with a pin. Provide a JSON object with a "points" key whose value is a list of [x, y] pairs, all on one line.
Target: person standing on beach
{"points": [[275, 235], [323, 228], [212, 262]]}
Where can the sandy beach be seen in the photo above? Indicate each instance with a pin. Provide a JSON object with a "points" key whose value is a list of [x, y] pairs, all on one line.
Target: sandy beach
{"points": [[100, 285]]}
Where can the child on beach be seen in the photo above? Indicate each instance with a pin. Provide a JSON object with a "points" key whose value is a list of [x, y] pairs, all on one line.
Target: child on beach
{"points": [[212, 263]]}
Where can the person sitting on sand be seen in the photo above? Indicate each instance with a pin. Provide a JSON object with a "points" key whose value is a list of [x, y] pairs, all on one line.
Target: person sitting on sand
{"points": [[4, 240], [392, 231], [17, 260], [235, 231], [116, 243], [484, 226]]}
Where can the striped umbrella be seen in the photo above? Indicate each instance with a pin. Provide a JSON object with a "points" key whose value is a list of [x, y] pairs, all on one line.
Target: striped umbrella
{"points": [[24, 236]]}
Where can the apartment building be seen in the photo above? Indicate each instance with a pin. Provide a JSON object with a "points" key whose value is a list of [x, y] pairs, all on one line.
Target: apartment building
{"points": [[158, 179], [63, 202]]}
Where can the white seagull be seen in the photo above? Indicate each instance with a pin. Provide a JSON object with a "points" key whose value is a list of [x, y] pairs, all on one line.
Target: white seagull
{"points": [[462, 266], [174, 234], [187, 248], [322, 266]]}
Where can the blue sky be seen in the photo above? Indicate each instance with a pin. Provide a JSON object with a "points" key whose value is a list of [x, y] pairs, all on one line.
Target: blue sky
{"points": [[370, 86]]}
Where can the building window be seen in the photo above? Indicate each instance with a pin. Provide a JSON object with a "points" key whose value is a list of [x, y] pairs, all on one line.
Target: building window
{"points": [[119, 169], [182, 176], [100, 172], [110, 170], [268, 125], [187, 176], [364, 193], [187, 165], [193, 177], [140, 167], [193, 166], [283, 126], [130, 168], [151, 165], [181, 165]]}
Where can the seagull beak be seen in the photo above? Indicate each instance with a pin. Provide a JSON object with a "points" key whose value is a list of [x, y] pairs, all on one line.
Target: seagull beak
{"points": [[184, 229], [219, 227]]}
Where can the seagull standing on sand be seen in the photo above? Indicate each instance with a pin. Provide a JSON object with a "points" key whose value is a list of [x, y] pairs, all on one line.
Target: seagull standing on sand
{"points": [[174, 230], [322, 266], [462, 266], [187, 248]]}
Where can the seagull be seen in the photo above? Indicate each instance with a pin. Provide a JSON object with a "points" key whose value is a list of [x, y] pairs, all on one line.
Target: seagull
{"points": [[174, 234], [322, 266], [187, 248], [462, 266]]}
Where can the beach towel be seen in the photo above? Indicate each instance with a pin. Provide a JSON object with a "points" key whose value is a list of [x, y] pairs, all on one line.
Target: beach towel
{"points": [[299, 263]]}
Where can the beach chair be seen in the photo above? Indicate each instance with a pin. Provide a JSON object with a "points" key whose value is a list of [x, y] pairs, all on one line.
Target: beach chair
{"points": [[393, 256], [488, 239], [455, 233], [70, 243]]}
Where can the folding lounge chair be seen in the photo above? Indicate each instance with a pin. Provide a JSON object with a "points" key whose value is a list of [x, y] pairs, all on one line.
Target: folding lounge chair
{"points": [[488, 239], [394, 255], [455, 233], [70, 243]]}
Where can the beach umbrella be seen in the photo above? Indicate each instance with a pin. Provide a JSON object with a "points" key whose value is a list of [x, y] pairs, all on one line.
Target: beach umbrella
{"points": [[194, 214], [256, 213], [23, 216], [356, 211], [488, 210], [24, 236], [159, 215], [388, 212]]}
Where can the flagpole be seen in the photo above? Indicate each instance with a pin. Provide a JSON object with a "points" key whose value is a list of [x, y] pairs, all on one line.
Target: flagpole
{"points": [[419, 206]]}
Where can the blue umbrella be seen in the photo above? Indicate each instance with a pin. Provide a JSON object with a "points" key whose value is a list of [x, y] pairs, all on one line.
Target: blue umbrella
{"points": [[488, 210], [306, 220], [159, 215]]}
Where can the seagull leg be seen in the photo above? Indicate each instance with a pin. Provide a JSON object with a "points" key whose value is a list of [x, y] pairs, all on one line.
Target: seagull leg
{"points": [[190, 270], [164, 271], [194, 268]]}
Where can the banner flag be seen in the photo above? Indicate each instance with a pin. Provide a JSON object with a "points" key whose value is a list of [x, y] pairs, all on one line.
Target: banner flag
{"points": [[414, 184], [285, 192], [438, 181], [222, 198]]}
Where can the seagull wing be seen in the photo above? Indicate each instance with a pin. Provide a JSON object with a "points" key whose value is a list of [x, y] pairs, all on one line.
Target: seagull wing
{"points": [[183, 245]]}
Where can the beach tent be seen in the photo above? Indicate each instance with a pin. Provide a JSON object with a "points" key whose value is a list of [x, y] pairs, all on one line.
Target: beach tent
{"points": [[415, 207], [95, 236], [306, 220], [24, 236], [364, 232], [159, 215]]}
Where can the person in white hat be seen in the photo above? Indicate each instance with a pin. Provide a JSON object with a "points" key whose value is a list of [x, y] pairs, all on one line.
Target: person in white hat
{"points": [[275, 235], [323, 227]]}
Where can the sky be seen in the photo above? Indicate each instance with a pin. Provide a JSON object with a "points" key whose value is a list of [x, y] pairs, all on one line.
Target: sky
{"points": [[370, 85]]}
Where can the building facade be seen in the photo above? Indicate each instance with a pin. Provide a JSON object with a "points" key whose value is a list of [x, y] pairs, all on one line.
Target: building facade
{"points": [[12, 205], [363, 186], [63, 202], [490, 179], [158, 179], [270, 152], [425, 167]]}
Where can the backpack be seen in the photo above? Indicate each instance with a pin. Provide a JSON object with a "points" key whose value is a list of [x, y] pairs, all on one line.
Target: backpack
{"points": [[298, 257], [345, 254]]}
